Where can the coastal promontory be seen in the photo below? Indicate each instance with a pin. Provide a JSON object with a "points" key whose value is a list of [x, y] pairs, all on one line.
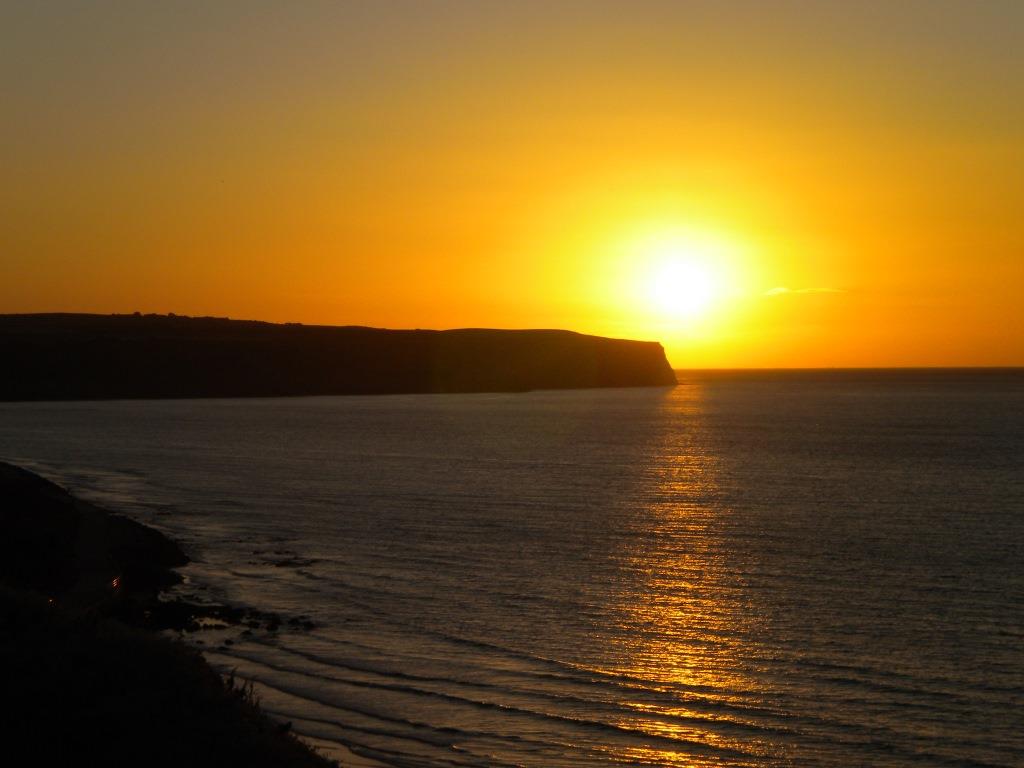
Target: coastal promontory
{"points": [[79, 356]]}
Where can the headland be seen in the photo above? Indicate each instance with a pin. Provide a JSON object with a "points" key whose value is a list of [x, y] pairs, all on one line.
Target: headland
{"points": [[78, 356]]}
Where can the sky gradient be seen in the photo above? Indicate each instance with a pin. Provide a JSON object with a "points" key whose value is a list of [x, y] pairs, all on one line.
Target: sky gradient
{"points": [[848, 177]]}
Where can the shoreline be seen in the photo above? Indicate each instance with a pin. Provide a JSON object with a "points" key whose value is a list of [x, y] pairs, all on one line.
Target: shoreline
{"points": [[84, 584], [85, 559]]}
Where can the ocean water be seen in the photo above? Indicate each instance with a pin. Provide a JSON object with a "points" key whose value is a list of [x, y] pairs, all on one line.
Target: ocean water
{"points": [[749, 569]]}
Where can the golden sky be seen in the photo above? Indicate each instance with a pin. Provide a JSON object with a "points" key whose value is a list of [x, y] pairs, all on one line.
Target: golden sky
{"points": [[751, 183]]}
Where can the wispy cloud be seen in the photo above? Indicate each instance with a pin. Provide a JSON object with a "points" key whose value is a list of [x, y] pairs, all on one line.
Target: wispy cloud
{"points": [[782, 290]]}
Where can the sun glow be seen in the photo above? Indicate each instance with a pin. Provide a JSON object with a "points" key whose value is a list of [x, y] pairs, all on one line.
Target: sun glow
{"points": [[683, 288], [685, 276]]}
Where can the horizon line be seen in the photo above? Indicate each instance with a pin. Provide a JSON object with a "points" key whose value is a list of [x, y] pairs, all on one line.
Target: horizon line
{"points": [[713, 369]]}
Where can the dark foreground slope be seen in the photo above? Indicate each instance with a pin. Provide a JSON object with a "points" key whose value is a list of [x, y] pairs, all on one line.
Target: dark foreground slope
{"points": [[63, 357], [82, 685]]}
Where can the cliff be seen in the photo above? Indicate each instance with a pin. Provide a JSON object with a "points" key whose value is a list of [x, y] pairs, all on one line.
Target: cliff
{"points": [[74, 356], [87, 684]]}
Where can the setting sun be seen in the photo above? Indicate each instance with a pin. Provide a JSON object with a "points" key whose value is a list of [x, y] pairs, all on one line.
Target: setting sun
{"points": [[680, 279], [684, 279], [683, 288]]}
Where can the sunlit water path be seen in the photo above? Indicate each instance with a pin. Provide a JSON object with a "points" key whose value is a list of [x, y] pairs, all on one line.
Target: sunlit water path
{"points": [[745, 570]]}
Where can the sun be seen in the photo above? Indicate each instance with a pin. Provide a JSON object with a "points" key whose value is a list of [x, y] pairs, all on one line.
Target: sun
{"points": [[685, 276], [682, 287], [660, 277]]}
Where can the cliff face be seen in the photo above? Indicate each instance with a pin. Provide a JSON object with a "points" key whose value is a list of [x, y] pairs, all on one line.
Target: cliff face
{"points": [[67, 357], [91, 687]]}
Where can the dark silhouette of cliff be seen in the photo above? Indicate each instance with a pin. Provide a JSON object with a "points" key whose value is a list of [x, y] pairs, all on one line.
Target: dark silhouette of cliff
{"points": [[89, 686], [76, 356]]}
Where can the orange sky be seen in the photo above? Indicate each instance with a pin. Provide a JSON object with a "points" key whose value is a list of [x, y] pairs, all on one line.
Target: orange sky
{"points": [[848, 176]]}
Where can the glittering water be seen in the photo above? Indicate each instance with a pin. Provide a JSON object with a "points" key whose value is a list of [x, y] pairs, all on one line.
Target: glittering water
{"points": [[760, 569]]}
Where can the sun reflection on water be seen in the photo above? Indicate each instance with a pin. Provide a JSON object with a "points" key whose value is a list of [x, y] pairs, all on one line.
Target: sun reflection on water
{"points": [[687, 623]]}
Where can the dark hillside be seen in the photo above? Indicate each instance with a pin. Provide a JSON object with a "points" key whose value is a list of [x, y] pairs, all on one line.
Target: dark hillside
{"points": [[67, 357], [84, 683]]}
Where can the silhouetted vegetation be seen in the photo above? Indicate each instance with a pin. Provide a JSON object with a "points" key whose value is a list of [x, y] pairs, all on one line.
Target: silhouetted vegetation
{"points": [[82, 686], [85, 690], [62, 356]]}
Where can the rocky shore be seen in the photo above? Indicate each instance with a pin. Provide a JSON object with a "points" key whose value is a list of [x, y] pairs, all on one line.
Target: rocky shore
{"points": [[87, 679]]}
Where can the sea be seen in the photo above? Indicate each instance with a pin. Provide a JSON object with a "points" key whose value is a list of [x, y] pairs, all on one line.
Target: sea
{"points": [[762, 568]]}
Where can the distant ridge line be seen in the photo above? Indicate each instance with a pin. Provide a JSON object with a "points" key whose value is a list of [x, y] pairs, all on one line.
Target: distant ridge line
{"points": [[68, 356]]}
